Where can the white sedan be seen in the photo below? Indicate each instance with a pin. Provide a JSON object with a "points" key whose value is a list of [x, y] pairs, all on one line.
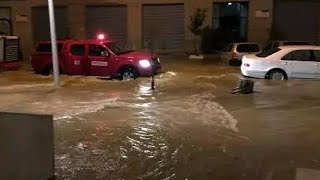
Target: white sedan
{"points": [[283, 62]]}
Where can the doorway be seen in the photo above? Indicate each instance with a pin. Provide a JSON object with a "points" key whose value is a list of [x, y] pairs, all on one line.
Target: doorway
{"points": [[231, 20]]}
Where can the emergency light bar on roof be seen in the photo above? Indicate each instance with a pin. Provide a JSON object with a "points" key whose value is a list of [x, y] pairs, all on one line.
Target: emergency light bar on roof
{"points": [[102, 36]]}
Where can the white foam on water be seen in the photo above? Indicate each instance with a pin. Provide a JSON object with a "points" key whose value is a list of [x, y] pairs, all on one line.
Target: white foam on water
{"points": [[83, 108], [202, 108], [25, 86], [210, 77]]}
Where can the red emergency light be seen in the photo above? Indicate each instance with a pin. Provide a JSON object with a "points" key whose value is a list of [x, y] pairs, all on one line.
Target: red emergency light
{"points": [[101, 36]]}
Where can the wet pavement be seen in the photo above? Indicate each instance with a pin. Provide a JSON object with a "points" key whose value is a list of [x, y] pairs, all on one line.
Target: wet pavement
{"points": [[190, 127]]}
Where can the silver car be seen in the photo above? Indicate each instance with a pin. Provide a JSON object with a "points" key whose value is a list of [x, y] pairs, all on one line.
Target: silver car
{"points": [[233, 52]]}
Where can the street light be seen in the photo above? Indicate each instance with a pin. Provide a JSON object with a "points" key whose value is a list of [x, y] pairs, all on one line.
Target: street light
{"points": [[53, 44]]}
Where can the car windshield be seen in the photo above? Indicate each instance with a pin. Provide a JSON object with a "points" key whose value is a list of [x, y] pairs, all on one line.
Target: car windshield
{"points": [[248, 48], [268, 52], [118, 48]]}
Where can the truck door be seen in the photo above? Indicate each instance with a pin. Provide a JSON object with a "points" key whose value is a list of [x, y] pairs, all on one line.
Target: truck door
{"points": [[74, 64], [98, 60]]}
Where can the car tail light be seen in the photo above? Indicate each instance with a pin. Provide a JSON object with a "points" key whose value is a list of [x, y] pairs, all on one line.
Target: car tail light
{"points": [[246, 64], [234, 55]]}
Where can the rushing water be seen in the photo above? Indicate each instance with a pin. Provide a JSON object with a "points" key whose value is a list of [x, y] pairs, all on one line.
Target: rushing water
{"points": [[190, 127]]}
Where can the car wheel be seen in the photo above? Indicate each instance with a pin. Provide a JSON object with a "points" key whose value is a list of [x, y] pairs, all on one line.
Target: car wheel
{"points": [[128, 73], [276, 75], [47, 71]]}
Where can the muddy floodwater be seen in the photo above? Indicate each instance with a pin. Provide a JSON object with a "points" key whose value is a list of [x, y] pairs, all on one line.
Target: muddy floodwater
{"points": [[190, 127]]}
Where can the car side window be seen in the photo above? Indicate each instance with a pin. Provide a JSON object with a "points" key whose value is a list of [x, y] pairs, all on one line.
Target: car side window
{"points": [[298, 55], [96, 50], [77, 49], [316, 54]]}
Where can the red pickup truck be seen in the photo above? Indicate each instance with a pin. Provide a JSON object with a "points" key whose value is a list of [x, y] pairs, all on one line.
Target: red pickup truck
{"points": [[96, 58]]}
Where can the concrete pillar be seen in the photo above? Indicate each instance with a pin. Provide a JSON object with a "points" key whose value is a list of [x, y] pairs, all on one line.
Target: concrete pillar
{"points": [[259, 27], [318, 29], [77, 20], [190, 7], [27, 149], [134, 25]]}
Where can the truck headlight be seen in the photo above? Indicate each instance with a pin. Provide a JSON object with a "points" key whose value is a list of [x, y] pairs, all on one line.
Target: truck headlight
{"points": [[145, 63]]}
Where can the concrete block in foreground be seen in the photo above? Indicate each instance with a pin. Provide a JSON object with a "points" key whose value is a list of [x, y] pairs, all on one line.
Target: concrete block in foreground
{"points": [[307, 174], [26, 146]]}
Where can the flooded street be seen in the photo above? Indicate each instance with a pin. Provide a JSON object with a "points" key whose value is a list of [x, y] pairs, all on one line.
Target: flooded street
{"points": [[190, 127]]}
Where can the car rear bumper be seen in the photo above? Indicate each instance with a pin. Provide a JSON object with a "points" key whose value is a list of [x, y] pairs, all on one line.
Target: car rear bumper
{"points": [[253, 73]]}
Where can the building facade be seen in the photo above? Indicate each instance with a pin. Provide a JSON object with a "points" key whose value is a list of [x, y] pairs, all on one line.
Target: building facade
{"points": [[135, 22]]}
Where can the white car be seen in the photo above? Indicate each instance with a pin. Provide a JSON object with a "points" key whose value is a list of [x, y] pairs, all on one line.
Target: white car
{"points": [[283, 62], [276, 44], [234, 52]]}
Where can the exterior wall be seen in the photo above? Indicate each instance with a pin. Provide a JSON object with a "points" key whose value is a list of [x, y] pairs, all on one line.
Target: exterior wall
{"points": [[257, 28]]}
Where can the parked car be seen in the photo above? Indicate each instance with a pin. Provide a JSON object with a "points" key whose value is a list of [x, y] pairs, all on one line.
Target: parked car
{"points": [[96, 58], [234, 52], [275, 44], [284, 62]]}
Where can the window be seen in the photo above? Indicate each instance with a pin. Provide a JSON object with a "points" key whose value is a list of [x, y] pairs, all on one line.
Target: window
{"points": [[248, 48], [316, 54], [77, 49], [117, 48], [96, 50], [268, 52], [298, 55], [46, 47]]}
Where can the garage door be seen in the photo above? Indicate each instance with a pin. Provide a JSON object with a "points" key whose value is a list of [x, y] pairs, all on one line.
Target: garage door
{"points": [[297, 19], [163, 25], [109, 19], [40, 23]]}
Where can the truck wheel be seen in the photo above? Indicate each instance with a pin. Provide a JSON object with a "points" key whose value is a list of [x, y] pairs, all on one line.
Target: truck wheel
{"points": [[49, 70], [128, 73]]}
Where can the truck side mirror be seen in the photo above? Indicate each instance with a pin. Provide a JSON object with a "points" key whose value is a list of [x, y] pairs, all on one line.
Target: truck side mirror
{"points": [[104, 53]]}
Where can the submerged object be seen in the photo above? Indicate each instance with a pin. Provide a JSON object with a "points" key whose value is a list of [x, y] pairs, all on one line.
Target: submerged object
{"points": [[245, 87]]}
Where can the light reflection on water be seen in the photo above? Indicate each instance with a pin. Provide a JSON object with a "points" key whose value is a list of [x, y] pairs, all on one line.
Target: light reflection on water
{"points": [[146, 144]]}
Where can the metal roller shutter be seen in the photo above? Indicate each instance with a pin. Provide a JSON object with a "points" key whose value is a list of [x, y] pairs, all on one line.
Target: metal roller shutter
{"points": [[109, 19], [40, 23], [297, 20], [164, 26]]}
